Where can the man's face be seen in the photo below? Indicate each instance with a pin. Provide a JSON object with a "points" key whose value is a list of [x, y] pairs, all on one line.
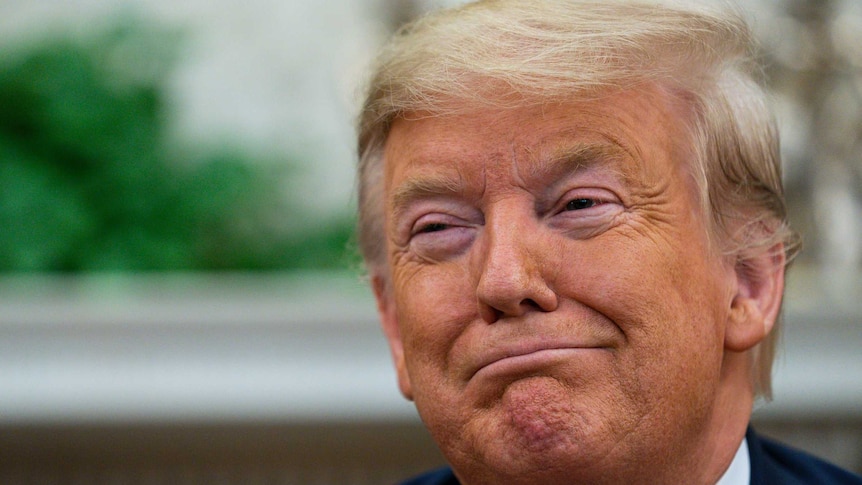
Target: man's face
{"points": [[552, 301]]}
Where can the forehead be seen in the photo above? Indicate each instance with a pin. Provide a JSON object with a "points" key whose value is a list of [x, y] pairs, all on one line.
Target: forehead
{"points": [[636, 133]]}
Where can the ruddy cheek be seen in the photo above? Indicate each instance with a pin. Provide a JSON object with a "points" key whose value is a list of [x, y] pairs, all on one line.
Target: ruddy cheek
{"points": [[435, 310]]}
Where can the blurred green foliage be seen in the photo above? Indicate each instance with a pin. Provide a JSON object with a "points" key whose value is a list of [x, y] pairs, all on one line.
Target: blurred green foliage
{"points": [[90, 182]]}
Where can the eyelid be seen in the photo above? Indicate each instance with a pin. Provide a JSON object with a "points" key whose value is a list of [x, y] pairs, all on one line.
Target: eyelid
{"points": [[451, 240], [406, 218], [602, 196], [421, 227], [441, 218]]}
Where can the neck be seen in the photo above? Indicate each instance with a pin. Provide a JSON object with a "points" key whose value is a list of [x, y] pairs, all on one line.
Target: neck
{"points": [[705, 458], [730, 417]]}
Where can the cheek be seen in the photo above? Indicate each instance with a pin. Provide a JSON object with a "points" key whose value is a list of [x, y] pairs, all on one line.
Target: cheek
{"points": [[434, 305], [665, 301], [668, 364]]}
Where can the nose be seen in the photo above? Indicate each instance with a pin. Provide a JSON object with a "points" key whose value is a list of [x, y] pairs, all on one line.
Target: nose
{"points": [[513, 270]]}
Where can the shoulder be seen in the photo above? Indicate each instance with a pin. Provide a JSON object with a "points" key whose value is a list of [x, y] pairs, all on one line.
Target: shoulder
{"points": [[774, 463], [771, 464], [441, 476]]}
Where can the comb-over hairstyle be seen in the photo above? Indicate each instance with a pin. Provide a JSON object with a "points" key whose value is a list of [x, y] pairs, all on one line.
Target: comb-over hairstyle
{"points": [[516, 53]]}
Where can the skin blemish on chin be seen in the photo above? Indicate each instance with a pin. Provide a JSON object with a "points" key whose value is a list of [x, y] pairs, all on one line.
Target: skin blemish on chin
{"points": [[541, 421]]}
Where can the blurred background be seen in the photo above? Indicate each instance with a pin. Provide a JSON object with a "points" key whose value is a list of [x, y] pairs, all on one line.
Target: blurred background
{"points": [[180, 300]]}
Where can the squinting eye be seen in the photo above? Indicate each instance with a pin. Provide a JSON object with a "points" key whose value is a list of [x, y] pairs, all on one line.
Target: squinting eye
{"points": [[433, 227], [437, 237], [578, 204]]}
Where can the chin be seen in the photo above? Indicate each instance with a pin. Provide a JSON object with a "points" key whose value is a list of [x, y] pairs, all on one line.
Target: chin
{"points": [[534, 430]]}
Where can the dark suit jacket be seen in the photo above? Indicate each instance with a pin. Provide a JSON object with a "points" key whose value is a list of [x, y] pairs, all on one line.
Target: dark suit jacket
{"points": [[771, 464]]}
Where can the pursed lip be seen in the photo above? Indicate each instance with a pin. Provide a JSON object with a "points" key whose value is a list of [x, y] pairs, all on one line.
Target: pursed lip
{"points": [[529, 353]]}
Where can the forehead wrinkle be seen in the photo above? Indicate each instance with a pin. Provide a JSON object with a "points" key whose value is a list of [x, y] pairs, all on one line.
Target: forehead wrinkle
{"points": [[516, 166]]}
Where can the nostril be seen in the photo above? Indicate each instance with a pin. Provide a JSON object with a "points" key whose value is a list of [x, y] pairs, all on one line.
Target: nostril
{"points": [[489, 314], [529, 302]]}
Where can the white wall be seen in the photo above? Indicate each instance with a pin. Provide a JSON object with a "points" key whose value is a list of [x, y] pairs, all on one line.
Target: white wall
{"points": [[271, 74]]}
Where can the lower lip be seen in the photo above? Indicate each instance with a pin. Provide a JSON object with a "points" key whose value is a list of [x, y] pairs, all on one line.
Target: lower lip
{"points": [[534, 361]]}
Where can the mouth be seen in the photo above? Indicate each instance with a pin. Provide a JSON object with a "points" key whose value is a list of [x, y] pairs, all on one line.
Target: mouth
{"points": [[531, 359]]}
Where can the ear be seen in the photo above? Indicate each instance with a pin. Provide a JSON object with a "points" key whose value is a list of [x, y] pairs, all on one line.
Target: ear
{"points": [[757, 302], [389, 320]]}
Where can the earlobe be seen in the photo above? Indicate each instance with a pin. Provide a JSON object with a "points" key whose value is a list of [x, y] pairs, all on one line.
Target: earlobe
{"points": [[389, 321], [757, 302]]}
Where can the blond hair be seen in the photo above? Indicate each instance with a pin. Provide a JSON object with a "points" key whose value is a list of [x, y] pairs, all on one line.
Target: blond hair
{"points": [[513, 53]]}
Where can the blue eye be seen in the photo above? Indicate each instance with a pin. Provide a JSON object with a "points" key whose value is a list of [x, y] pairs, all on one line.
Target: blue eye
{"points": [[578, 204]]}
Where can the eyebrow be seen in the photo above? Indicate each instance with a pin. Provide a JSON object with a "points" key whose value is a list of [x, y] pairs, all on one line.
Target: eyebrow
{"points": [[575, 158], [423, 186], [564, 160]]}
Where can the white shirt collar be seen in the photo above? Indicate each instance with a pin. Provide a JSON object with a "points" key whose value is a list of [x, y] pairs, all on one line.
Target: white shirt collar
{"points": [[739, 471]]}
